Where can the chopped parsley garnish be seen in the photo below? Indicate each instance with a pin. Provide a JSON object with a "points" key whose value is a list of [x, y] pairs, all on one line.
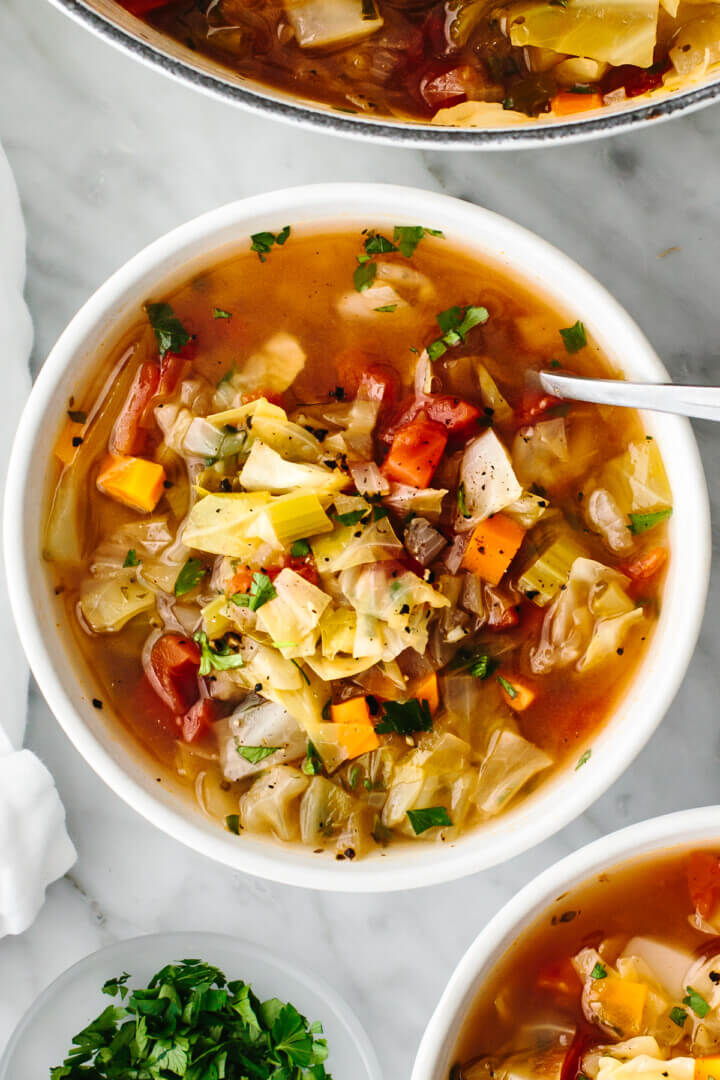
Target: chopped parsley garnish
{"points": [[190, 1021], [697, 1002], [312, 765], [456, 323], [353, 776], [508, 687], [376, 244], [386, 307], [300, 549], [462, 504], [170, 333], [431, 817], [302, 671], [116, 986], [254, 754], [216, 657], [407, 237], [262, 242], [364, 275], [77, 416], [379, 512], [678, 1016], [583, 760], [352, 517], [190, 576], [218, 313], [131, 559], [232, 824], [404, 717], [574, 337], [640, 523], [598, 972], [261, 590], [479, 665]]}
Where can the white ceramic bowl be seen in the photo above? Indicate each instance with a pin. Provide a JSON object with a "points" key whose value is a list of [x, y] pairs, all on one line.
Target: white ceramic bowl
{"points": [[685, 828], [113, 23], [42, 1038], [69, 688]]}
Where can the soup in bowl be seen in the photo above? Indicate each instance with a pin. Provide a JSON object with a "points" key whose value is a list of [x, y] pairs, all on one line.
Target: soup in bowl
{"points": [[351, 592], [611, 967], [459, 73]]}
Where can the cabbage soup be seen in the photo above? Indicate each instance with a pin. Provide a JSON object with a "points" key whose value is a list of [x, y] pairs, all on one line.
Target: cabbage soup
{"points": [[618, 980], [453, 62], [335, 562]]}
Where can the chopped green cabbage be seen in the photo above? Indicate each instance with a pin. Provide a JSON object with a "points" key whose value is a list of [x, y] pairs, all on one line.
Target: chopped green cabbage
{"points": [[266, 470], [295, 610], [324, 808], [510, 763], [107, 604], [219, 523], [488, 478], [272, 804], [323, 23]]}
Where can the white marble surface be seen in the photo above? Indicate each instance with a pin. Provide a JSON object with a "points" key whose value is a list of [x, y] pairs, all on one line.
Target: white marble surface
{"points": [[108, 156]]}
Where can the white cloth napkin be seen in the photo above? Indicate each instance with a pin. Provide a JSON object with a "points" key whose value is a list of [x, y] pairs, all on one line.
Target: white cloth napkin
{"points": [[35, 848]]}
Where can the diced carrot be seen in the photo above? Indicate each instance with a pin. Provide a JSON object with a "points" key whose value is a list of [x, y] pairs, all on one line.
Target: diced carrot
{"points": [[427, 690], [492, 547], [707, 1068], [69, 442], [240, 582], [646, 566], [559, 977], [622, 1003], [132, 481], [565, 103], [520, 696], [356, 739], [353, 711], [415, 452], [130, 434], [704, 882]]}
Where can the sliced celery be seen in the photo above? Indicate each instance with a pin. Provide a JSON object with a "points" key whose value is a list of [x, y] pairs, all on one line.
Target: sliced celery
{"points": [[290, 517], [550, 569]]}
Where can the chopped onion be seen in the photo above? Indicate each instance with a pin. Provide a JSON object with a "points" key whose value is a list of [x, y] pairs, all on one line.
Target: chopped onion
{"points": [[472, 595], [368, 479], [422, 541], [453, 557]]}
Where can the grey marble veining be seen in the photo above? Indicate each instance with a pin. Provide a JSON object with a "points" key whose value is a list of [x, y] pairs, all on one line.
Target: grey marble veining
{"points": [[108, 156]]}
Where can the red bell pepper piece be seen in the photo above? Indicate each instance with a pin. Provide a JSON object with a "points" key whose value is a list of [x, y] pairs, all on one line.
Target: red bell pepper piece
{"points": [[415, 452], [130, 435], [173, 672]]}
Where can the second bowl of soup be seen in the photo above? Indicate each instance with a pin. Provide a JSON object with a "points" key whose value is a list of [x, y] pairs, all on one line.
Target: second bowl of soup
{"points": [[312, 571]]}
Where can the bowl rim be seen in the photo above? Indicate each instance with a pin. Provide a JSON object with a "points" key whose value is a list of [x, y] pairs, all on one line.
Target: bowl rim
{"points": [[656, 834], [181, 940], [520, 828], [412, 136]]}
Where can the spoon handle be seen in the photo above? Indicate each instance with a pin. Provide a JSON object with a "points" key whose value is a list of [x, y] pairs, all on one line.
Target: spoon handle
{"points": [[702, 402]]}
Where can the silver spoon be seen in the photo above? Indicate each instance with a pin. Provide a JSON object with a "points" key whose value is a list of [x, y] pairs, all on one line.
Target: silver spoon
{"points": [[702, 402]]}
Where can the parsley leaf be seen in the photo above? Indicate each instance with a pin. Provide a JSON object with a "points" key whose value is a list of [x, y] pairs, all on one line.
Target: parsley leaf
{"points": [[407, 238], [462, 504], [583, 760], [479, 665], [598, 972], [254, 754], [312, 765], [640, 523], [190, 576], [170, 333], [261, 590], [431, 817], [404, 717], [364, 276], [219, 657], [218, 313], [376, 244], [131, 559], [77, 416], [456, 323], [678, 1016], [232, 823], [352, 516], [262, 242], [300, 549], [386, 307], [113, 987], [697, 1002], [508, 687], [574, 337]]}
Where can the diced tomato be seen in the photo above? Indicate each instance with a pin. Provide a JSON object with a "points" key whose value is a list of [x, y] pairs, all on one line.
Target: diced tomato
{"points": [[704, 882], [173, 671], [560, 978], [415, 452], [198, 719], [459, 417], [130, 434], [142, 7], [303, 565], [533, 404], [269, 395], [634, 80], [444, 87], [647, 565], [434, 33]]}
